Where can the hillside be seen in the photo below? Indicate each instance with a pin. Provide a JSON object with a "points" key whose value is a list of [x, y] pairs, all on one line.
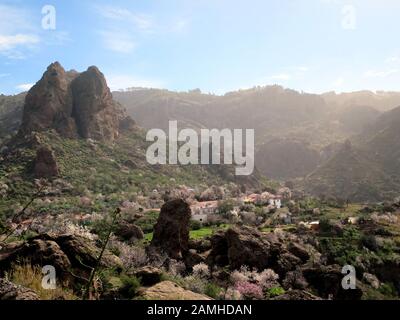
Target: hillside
{"points": [[10, 114], [367, 169]]}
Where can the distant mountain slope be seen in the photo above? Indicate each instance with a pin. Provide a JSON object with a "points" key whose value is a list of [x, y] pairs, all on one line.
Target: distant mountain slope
{"points": [[368, 169], [380, 100], [292, 129], [10, 114], [308, 123], [351, 175]]}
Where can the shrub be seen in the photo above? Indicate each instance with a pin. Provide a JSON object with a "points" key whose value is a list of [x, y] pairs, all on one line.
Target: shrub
{"points": [[275, 291], [232, 294], [131, 257], [225, 207], [195, 225], [201, 270], [130, 285], [265, 279], [213, 291], [195, 284], [249, 291]]}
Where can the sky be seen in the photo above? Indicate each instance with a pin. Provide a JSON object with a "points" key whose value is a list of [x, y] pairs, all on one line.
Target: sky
{"points": [[215, 45]]}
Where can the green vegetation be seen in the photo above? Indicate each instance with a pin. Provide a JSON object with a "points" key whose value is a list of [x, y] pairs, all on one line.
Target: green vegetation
{"points": [[275, 292], [130, 285], [212, 290]]}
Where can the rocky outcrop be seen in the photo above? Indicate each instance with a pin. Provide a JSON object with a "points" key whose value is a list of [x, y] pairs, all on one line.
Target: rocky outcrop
{"points": [[327, 280], [168, 290], [75, 105], [45, 164], [149, 275], [49, 103], [297, 263], [65, 252], [11, 291], [247, 246], [171, 232]]}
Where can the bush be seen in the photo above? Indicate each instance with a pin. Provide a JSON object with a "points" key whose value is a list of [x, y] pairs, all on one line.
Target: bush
{"points": [[201, 270], [276, 291], [195, 225], [225, 207], [130, 285], [212, 290], [249, 291]]}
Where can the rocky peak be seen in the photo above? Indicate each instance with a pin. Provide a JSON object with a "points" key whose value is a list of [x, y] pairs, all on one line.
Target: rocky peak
{"points": [[74, 104]]}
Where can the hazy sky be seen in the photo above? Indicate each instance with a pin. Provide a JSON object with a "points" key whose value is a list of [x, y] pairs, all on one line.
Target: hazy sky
{"points": [[214, 45]]}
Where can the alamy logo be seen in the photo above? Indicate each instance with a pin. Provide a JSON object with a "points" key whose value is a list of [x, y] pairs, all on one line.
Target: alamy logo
{"points": [[49, 278], [349, 280], [184, 147], [49, 17]]}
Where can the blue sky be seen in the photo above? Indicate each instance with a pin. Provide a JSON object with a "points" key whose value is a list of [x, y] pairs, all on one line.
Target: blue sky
{"points": [[214, 45]]}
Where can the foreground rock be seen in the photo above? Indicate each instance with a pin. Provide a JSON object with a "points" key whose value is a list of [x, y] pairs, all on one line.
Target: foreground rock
{"points": [[67, 253], [171, 233], [11, 291], [149, 275], [168, 290]]}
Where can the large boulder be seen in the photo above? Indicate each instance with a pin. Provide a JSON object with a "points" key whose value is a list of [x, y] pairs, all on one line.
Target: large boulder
{"points": [[149, 275], [67, 253], [168, 290], [11, 291], [45, 164], [129, 232], [327, 281], [246, 246], [38, 251], [171, 232]]}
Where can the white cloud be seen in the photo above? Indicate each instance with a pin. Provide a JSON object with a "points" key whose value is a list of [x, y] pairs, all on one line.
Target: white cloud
{"points": [[11, 42], [14, 19], [17, 33], [380, 74], [118, 41], [118, 82], [139, 20], [24, 86]]}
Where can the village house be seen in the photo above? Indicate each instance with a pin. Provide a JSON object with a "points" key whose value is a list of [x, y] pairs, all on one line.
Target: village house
{"points": [[265, 198], [201, 210]]}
